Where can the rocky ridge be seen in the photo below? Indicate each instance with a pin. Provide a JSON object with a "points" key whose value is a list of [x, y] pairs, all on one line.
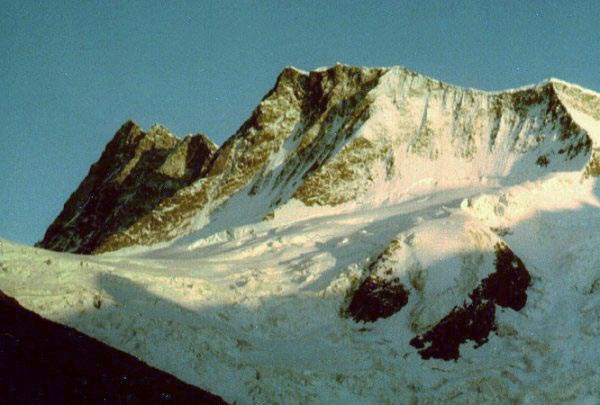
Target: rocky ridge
{"points": [[342, 135], [136, 171]]}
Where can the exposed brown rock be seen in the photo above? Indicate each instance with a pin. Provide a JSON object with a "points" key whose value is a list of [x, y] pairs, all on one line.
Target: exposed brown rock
{"points": [[376, 298], [311, 101], [136, 171]]}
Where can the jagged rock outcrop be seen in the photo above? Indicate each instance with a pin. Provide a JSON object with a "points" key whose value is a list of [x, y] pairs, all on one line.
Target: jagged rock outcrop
{"points": [[300, 122], [475, 319], [329, 137], [378, 295], [447, 300], [136, 171]]}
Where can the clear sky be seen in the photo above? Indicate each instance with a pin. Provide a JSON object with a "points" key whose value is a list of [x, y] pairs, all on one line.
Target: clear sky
{"points": [[71, 72]]}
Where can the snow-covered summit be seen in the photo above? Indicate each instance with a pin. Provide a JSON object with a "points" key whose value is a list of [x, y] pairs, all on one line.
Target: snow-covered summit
{"points": [[354, 136]]}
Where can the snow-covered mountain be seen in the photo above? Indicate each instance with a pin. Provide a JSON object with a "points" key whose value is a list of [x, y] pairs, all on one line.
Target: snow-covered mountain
{"points": [[367, 235], [328, 137]]}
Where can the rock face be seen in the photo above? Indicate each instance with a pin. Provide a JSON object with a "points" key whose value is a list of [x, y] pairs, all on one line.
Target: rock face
{"points": [[451, 299], [376, 298], [134, 174], [506, 287], [44, 362], [379, 295], [328, 137]]}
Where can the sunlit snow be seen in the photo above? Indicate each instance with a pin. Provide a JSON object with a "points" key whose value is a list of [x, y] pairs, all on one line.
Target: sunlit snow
{"points": [[251, 308]]}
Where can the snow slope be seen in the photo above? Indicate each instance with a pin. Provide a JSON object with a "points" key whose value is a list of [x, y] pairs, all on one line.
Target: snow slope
{"points": [[253, 314], [243, 282]]}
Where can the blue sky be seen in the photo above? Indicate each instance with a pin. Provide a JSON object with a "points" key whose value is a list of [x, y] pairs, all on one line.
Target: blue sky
{"points": [[71, 72]]}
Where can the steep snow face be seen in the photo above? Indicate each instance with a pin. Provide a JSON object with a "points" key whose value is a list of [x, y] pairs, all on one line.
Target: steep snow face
{"points": [[423, 133], [584, 107], [400, 135]]}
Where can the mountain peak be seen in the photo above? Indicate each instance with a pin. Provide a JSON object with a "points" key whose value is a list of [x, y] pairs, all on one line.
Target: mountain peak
{"points": [[333, 136], [136, 171]]}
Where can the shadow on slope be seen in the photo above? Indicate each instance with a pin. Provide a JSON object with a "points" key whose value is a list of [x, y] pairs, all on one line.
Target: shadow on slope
{"points": [[44, 362], [234, 342], [380, 232], [244, 339]]}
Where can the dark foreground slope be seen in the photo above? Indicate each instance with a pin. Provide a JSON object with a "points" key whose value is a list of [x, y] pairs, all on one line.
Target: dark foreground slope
{"points": [[44, 362]]}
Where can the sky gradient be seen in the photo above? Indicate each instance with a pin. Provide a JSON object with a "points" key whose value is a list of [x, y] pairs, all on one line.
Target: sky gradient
{"points": [[71, 72]]}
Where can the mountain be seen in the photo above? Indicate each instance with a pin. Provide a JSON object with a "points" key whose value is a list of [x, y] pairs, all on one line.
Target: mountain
{"points": [[328, 137], [367, 235], [136, 171]]}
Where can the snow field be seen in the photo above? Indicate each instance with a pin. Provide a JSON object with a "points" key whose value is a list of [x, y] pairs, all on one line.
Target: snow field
{"points": [[249, 304], [254, 315]]}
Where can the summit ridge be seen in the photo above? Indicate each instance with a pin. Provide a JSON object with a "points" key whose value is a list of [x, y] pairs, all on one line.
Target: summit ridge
{"points": [[329, 137]]}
